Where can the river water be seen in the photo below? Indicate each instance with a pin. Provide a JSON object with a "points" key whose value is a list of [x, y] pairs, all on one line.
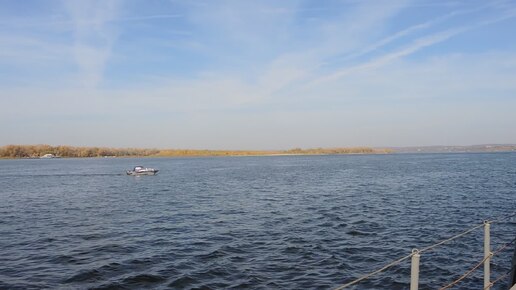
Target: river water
{"points": [[283, 222]]}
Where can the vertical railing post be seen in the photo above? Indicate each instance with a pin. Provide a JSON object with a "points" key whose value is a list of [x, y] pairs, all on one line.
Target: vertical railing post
{"points": [[414, 270], [487, 255], [512, 280]]}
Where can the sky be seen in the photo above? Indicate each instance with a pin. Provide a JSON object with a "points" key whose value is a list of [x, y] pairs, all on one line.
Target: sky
{"points": [[261, 75]]}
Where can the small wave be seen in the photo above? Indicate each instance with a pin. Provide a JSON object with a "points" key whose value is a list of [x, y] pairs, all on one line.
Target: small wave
{"points": [[143, 279], [110, 286], [331, 260], [292, 250], [251, 281], [341, 225], [113, 248], [182, 282], [215, 272], [112, 268], [360, 233], [232, 250], [142, 261], [212, 255], [90, 237], [64, 259], [238, 259], [395, 283], [24, 286], [98, 274], [85, 276]]}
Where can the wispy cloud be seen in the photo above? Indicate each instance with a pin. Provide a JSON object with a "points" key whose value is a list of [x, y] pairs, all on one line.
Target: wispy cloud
{"points": [[387, 58], [94, 36], [150, 17], [410, 30], [415, 46]]}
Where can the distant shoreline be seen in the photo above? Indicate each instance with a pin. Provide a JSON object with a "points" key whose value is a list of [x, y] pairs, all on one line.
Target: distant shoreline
{"points": [[484, 148], [49, 152]]}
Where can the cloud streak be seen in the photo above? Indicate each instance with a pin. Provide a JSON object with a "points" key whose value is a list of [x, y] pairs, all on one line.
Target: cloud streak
{"points": [[388, 58], [416, 46], [94, 37], [410, 30]]}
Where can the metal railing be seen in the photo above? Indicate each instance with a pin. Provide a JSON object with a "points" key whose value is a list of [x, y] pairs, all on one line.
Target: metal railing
{"points": [[415, 256], [512, 279]]}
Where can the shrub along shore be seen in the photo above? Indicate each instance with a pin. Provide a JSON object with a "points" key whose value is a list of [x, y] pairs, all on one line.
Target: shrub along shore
{"points": [[37, 151]]}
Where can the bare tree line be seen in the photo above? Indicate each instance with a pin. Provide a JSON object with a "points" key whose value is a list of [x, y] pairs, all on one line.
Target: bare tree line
{"points": [[36, 151]]}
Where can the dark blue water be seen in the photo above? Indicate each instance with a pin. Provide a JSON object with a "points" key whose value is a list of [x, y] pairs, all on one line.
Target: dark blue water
{"points": [[286, 222]]}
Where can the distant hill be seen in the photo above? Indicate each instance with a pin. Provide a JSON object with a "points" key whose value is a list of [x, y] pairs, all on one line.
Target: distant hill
{"points": [[456, 149]]}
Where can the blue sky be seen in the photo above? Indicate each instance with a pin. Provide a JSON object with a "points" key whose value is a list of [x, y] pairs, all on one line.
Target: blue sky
{"points": [[257, 74]]}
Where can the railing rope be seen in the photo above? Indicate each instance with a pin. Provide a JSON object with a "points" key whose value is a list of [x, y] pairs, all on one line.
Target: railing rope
{"points": [[498, 279], [431, 247], [374, 273], [464, 275], [503, 218], [500, 249], [415, 255]]}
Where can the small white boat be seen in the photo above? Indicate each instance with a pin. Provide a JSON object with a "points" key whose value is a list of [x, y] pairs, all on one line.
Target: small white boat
{"points": [[140, 170], [48, 156]]}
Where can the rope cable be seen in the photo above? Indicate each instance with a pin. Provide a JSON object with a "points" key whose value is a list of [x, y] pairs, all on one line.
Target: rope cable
{"points": [[498, 279], [504, 218], [375, 272], [501, 248], [431, 247], [406, 257], [466, 274]]}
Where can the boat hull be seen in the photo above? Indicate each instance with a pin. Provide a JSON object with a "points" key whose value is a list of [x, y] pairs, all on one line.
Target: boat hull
{"points": [[146, 172]]}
